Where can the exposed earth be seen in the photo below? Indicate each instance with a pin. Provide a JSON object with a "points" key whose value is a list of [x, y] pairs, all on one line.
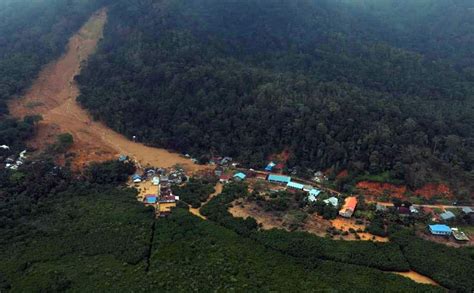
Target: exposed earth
{"points": [[53, 95]]}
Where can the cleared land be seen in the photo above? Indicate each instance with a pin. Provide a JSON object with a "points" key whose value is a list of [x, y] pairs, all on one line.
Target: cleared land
{"points": [[53, 95]]}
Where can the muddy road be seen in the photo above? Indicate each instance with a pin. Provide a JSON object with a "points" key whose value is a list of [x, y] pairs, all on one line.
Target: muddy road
{"points": [[53, 95]]}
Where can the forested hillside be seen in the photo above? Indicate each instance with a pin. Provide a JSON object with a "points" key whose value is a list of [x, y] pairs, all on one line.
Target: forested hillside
{"points": [[438, 29], [320, 79], [33, 33]]}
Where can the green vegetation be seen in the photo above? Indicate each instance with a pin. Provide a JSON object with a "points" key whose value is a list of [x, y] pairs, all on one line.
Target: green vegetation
{"points": [[453, 268], [191, 254], [319, 78], [195, 192], [111, 172], [58, 233], [14, 133]]}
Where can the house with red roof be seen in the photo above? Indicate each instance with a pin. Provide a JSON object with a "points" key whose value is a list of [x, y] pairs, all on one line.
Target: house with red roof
{"points": [[225, 178], [349, 207]]}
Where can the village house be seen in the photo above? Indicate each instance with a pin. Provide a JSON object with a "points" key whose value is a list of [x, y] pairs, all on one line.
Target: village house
{"points": [[439, 229], [224, 179], [380, 207], [413, 210], [403, 211], [136, 178], [332, 201], [150, 199], [295, 185], [218, 171], [349, 207], [313, 194], [278, 178], [467, 210], [447, 216], [270, 166], [239, 176]]}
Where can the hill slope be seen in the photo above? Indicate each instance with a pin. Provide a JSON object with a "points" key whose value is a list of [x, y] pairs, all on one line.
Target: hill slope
{"points": [[253, 78]]}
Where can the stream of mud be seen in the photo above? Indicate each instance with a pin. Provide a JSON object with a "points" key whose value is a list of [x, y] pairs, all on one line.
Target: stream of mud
{"points": [[53, 95]]}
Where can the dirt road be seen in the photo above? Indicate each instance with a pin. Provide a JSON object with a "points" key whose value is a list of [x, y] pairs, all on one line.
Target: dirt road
{"points": [[53, 95]]}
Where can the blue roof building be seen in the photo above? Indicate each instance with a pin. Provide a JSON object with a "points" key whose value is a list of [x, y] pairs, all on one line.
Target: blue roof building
{"points": [[295, 185], [270, 166], [136, 178], [151, 199], [279, 178], [240, 176], [122, 158], [439, 229], [314, 192]]}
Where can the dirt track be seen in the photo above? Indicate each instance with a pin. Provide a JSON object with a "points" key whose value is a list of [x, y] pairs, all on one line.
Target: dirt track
{"points": [[53, 95]]}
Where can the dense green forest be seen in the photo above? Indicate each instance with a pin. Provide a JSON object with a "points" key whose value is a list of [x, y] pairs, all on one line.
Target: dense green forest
{"points": [[437, 29], [33, 33], [325, 80]]}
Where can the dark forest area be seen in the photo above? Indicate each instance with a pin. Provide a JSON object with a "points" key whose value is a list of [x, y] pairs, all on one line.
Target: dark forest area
{"points": [[327, 81]]}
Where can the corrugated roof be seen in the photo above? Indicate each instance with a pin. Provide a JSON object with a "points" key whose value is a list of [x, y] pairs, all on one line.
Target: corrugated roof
{"points": [[467, 210], [314, 192], [350, 203], [295, 185], [332, 200], [447, 215], [240, 175], [279, 178]]}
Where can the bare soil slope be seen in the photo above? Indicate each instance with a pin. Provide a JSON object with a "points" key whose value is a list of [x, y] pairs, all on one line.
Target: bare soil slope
{"points": [[53, 95]]}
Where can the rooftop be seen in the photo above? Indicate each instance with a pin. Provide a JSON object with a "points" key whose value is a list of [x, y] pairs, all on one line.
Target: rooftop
{"points": [[240, 175], [279, 178], [350, 203], [295, 185], [447, 215], [440, 228]]}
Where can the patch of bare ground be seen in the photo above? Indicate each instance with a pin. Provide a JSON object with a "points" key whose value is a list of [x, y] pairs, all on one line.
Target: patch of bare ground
{"points": [[267, 220], [347, 225], [313, 223], [53, 95]]}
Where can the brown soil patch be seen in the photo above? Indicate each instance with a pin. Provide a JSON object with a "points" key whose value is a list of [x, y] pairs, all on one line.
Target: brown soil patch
{"points": [[313, 224], [428, 191], [344, 224], [267, 220], [53, 95], [378, 189], [431, 190]]}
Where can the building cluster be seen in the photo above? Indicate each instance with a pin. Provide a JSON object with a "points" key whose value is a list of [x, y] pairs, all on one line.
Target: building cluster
{"points": [[13, 162], [447, 218], [161, 197], [445, 230]]}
